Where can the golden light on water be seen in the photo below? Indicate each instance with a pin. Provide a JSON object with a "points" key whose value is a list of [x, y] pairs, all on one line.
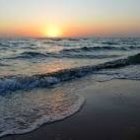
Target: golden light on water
{"points": [[53, 31]]}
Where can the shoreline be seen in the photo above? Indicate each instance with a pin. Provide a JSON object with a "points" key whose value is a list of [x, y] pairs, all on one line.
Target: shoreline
{"points": [[111, 112]]}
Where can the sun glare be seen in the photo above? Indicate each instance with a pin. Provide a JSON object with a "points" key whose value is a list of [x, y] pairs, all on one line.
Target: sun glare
{"points": [[53, 31]]}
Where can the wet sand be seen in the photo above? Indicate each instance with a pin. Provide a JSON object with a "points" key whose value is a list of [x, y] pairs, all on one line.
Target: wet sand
{"points": [[111, 112]]}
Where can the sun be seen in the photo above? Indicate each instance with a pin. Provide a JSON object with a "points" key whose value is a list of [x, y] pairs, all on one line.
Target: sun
{"points": [[53, 31]]}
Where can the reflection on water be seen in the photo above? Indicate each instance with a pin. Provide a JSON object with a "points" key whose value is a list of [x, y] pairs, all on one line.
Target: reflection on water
{"points": [[54, 49], [61, 99], [51, 65], [27, 68]]}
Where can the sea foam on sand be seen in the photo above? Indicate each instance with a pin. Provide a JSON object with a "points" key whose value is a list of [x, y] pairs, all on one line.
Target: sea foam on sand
{"points": [[23, 112]]}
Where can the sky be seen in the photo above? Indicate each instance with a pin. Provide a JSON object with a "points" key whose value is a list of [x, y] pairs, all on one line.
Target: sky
{"points": [[66, 18]]}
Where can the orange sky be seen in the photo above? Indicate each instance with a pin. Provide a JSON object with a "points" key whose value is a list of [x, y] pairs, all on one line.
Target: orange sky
{"points": [[50, 18]]}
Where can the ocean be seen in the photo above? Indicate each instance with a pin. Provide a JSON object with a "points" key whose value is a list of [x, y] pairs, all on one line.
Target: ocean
{"points": [[31, 68]]}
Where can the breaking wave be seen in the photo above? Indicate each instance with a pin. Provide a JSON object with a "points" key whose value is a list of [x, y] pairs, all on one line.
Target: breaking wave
{"points": [[13, 83]]}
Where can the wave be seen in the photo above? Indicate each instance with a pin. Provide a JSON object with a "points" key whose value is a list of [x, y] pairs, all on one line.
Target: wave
{"points": [[4, 44], [128, 72], [110, 43], [3, 65], [82, 56], [13, 83], [32, 54], [97, 48], [28, 54]]}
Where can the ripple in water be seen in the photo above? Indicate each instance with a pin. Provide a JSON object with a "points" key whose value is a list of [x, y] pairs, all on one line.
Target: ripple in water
{"points": [[26, 111]]}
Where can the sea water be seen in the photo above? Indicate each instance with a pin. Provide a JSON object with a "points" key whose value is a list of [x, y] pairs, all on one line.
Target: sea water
{"points": [[31, 67]]}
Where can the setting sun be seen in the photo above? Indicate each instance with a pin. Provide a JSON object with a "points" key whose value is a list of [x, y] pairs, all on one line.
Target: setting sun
{"points": [[53, 31]]}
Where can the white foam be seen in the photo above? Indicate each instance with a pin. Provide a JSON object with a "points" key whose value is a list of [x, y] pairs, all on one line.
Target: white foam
{"points": [[24, 112]]}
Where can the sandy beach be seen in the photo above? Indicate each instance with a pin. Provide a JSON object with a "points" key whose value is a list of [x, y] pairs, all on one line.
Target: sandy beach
{"points": [[111, 112]]}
